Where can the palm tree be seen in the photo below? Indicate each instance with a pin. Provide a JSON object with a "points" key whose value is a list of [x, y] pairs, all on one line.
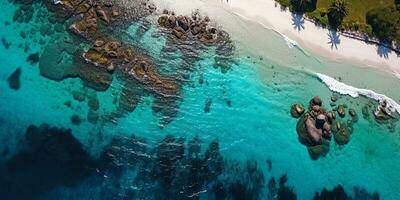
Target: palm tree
{"points": [[337, 11], [301, 5]]}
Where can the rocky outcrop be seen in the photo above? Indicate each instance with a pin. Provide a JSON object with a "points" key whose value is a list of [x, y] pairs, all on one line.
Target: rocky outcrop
{"points": [[383, 112], [90, 24], [315, 127], [184, 27]]}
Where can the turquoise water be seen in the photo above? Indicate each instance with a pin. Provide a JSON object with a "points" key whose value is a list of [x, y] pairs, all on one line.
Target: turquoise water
{"points": [[248, 117]]}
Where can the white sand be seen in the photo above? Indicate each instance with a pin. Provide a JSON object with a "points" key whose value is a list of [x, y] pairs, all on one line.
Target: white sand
{"points": [[311, 37]]}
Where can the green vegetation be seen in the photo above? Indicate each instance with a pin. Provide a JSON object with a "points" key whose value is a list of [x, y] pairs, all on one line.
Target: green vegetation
{"points": [[385, 23], [336, 12], [376, 18]]}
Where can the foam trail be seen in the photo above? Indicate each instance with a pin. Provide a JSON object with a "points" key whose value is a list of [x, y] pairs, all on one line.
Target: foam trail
{"points": [[397, 75], [290, 43], [342, 88]]}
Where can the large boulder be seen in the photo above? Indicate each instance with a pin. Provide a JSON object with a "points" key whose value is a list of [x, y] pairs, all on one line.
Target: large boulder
{"points": [[183, 22], [307, 132], [316, 101]]}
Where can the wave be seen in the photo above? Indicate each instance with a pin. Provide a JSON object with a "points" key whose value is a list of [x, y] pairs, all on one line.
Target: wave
{"points": [[342, 88], [290, 42], [397, 75]]}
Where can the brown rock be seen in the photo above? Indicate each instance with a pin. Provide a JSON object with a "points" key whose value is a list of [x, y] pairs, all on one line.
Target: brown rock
{"points": [[341, 111], [296, 110], [316, 101]]}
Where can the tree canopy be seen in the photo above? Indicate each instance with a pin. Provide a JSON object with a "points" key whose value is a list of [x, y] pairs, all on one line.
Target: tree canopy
{"points": [[385, 22], [336, 12]]}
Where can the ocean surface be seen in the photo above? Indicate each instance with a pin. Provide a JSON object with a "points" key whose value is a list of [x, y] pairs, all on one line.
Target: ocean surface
{"points": [[230, 134]]}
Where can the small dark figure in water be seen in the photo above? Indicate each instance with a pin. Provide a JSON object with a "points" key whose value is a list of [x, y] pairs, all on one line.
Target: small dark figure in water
{"points": [[269, 163], [6, 44], [229, 103], [76, 120], [33, 58], [207, 105], [14, 81]]}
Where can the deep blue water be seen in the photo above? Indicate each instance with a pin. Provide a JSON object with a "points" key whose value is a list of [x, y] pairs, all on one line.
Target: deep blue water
{"points": [[231, 137]]}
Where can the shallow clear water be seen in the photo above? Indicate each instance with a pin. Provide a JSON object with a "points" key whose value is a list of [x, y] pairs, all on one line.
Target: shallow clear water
{"points": [[248, 116]]}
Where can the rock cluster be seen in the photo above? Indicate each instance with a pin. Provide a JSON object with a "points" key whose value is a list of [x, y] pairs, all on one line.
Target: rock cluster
{"points": [[316, 126], [89, 15], [108, 57], [193, 26], [109, 53], [383, 112], [316, 122]]}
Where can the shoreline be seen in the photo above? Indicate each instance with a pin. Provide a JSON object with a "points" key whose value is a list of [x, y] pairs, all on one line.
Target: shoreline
{"points": [[318, 40]]}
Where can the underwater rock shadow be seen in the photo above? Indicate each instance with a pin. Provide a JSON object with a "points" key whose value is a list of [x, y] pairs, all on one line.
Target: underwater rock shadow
{"points": [[14, 80], [52, 157], [173, 168], [338, 193]]}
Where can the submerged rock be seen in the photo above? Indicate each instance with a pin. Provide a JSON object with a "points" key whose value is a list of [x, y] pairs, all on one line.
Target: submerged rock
{"points": [[14, 81], [93, 102], [76, 120], [92, 117], [52, 62], [341, 132], [318, 151], [79, 96]]}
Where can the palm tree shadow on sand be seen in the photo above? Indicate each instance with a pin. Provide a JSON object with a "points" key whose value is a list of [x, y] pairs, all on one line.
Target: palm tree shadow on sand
{"points": [[383, 51], [298, 22], [334, 39]]}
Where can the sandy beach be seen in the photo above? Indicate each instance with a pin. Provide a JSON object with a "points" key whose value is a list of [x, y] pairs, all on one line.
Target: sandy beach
{"points": [[311, 37]]}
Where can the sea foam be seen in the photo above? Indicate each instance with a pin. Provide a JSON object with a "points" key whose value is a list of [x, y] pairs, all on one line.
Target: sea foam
{"points": [[342, 88], [290, 43]]}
